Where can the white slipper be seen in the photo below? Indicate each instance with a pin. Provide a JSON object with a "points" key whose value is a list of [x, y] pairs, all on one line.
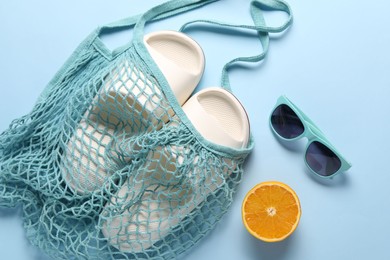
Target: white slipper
{"points": [[180, 59], [220, 118], [128, 103]]}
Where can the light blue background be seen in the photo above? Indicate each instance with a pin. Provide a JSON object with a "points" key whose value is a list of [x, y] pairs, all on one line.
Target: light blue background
{"points": [[333, 63]]}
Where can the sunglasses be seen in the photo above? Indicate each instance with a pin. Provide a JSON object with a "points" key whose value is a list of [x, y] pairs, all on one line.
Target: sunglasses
{"points": [[289, 123]]}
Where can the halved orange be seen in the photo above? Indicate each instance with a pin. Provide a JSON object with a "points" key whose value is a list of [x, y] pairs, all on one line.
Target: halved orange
{"points": [[271, 211]]}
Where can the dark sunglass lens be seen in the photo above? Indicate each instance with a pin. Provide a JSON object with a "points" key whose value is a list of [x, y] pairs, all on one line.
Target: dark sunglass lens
{"points": [[321, 159], [286, 123]]}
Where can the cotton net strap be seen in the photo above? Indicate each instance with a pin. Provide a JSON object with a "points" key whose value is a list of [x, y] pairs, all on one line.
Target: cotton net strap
{"points": [[106, 165], [257, 7], [162, 11]]}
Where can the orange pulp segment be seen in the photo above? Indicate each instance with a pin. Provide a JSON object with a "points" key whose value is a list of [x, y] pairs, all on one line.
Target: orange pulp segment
{"points": [[271, 211]]}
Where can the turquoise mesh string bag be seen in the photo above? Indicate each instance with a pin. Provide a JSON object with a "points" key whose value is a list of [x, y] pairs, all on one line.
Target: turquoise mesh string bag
{"points": [[112, 162]]}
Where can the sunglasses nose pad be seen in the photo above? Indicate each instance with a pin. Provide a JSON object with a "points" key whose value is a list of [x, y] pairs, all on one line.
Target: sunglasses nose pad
{"points": [[298, 146]]}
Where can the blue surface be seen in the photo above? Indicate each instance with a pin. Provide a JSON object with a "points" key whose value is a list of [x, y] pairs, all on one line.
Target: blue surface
{"points": [[333, 63]]}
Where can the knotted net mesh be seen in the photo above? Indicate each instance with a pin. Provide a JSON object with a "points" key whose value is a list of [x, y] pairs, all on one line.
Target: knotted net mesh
{"points": [[104, 168]]}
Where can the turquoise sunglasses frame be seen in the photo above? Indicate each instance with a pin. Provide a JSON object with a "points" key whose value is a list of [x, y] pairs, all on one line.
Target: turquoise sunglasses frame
{"points": [[312, 133]]}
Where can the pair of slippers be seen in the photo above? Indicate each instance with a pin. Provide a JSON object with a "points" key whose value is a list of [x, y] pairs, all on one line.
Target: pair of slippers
{"points": [[214, 112]]}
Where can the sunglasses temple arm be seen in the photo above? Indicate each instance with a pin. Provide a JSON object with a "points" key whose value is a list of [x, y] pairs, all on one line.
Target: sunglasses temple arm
{"points": [[308, 120], [303, 116], [314, 128], [318, 132]]}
